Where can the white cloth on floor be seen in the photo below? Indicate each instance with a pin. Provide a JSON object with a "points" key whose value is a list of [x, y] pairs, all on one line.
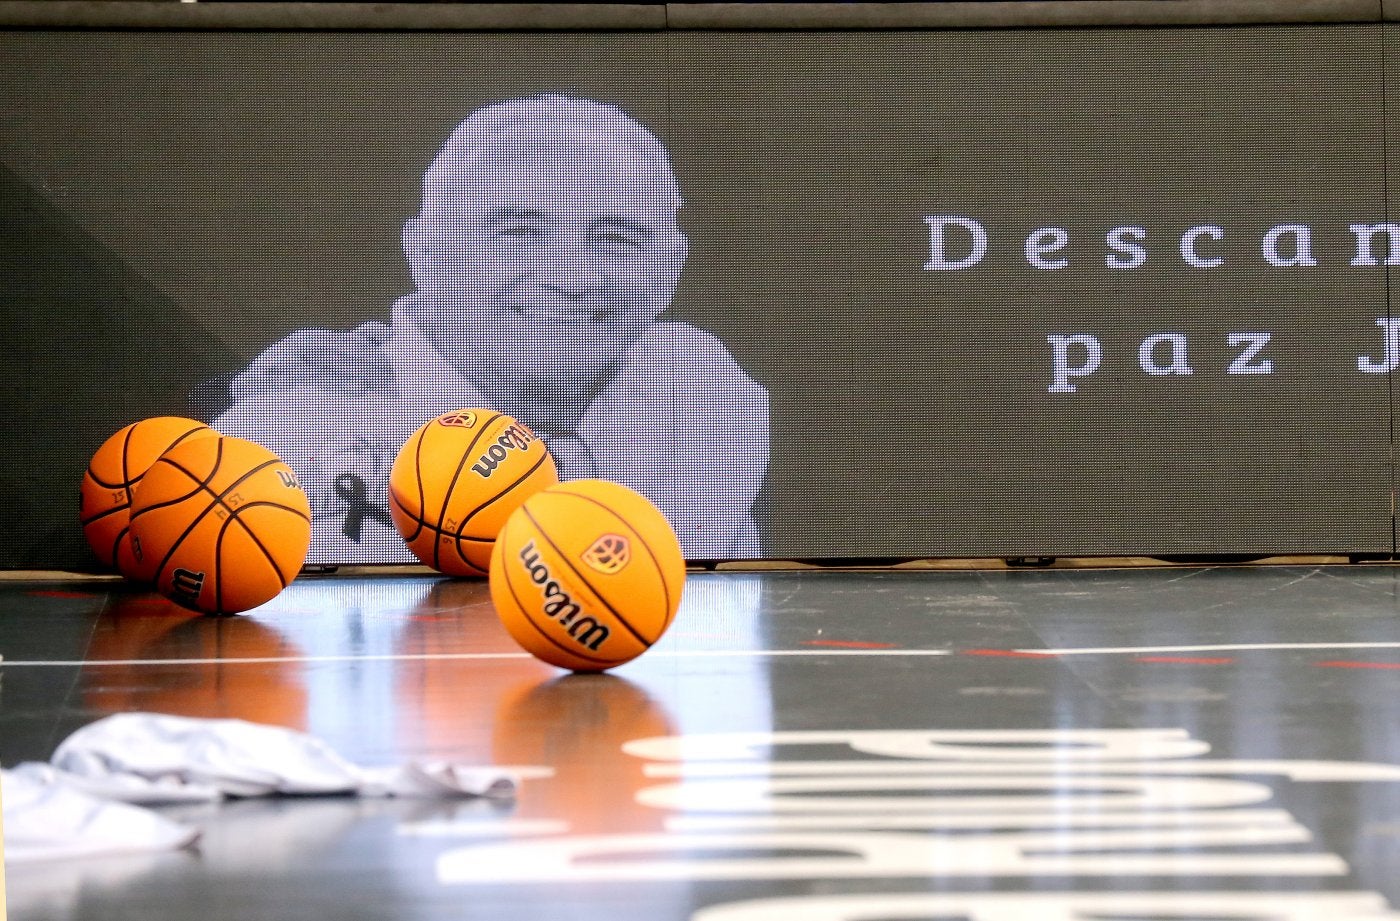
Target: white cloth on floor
{"points": [[48, 820], [60, 809], [156, 758]]}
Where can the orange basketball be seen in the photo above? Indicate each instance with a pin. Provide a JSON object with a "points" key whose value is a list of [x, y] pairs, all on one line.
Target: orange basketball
{"points": [[587, 575], [456, 481], [220, 525], [104, 499]]}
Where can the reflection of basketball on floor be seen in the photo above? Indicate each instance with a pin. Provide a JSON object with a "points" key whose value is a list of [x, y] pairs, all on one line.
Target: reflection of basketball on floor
{"points": [[135, 631], [456, 481], [577, 724], [445, 704], [220, 525], [104, 499], [587, 575]]}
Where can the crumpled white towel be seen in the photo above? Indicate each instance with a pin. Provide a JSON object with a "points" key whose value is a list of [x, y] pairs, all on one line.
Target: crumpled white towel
{"points": [[157, 758], [46, 820], [153, 758]]}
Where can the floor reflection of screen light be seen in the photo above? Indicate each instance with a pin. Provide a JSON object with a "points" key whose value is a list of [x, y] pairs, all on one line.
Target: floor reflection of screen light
{"points": [[719, 612], [348, 703]]}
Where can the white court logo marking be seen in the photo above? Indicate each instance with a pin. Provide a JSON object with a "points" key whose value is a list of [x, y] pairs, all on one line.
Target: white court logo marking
{"points": [[1056, 906], [959, 804]]}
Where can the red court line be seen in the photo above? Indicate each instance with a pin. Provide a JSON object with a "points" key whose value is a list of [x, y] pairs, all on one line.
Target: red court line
{"points": [[1009, 654], [1342, 663], [848, 644], [54, 593], [1187, 660]]}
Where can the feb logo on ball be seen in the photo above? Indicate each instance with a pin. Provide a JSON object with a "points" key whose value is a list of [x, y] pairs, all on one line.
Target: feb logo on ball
{"points": [[609, 554], [463, 419]]}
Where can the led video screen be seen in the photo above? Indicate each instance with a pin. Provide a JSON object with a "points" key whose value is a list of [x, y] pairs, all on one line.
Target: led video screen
{"points": [[818, 295]]}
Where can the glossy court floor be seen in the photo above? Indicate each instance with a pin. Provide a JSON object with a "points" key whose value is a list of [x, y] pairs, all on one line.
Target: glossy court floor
{"points": [[1149, 743]]}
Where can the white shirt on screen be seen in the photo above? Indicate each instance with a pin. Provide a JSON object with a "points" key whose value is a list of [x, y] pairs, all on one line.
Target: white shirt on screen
{"points": [[680, 422]]}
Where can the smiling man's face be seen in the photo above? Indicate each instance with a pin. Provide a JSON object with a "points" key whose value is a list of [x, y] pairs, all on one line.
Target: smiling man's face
{"points": [[546, 260]]}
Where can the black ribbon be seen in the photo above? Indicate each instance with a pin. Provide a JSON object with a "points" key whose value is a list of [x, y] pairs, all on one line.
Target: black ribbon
{"points": [[351, 488]]}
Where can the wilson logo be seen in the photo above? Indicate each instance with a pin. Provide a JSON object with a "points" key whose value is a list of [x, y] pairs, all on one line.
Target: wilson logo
{"points": [[464, 419], [609, 554], [186, 585], [559, 605], [516, 437]]}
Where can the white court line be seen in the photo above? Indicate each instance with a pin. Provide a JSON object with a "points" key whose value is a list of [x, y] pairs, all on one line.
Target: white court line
{"points": [[709, 654], [654, 654], [1220, 647], [266, 660]]}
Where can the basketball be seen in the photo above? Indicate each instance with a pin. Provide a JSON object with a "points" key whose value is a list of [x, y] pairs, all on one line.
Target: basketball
{"points": [[587, 575], [104, 498], [220, 525], [456, 481]]}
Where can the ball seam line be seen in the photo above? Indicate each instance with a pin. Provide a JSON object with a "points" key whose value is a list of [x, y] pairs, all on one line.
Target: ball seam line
{"points": [[197, 428], [660, 573], [584, 579], [424, 526], [185, 497], [126, 473], [117, 541], [200, 484], [219, 565], [502, 494], [219, 549], [100, 515], [419, 436], [103, 483], [456, 474], [395, 500], [253, 535], [218, 498], [524, 615]]}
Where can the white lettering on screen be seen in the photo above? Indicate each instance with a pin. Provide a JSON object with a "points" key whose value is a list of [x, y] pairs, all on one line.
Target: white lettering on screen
{"points": [[957, 242]]}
